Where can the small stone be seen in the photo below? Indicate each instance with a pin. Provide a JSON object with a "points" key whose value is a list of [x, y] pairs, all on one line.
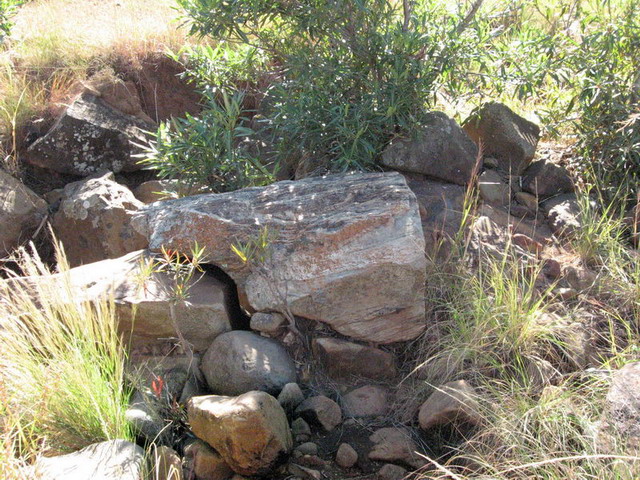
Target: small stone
{"points": [[346, 457], [392, 472], [308, 448], [452, 402], [268, 323], [580, 278], [290, 397], [204, 462], [528, 200], [527, 243], [304, 472], [552, 268], [367, 401], [566, 293], [395, 445], [300, 427], [320, 411]]}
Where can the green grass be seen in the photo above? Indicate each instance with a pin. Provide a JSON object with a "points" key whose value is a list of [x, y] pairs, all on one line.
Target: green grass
{"points": [[62, 366]]}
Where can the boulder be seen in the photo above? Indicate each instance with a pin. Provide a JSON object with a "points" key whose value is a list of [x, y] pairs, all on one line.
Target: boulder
{"points": [[441, 150], [493, 188], [621, 417], [507, 137], [251, 431], [441, 211], [90, 137], [454, 402], [347, 250], [93, 221], [320, 411], [563, 213], [143, 301], [367, 401], [240, 361], [21, 212], [110, 460], [395, 445], [343, 359], [545, 180], [204, 462]]}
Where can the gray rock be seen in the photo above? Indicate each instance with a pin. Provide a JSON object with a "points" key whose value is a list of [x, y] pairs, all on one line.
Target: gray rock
{"points": [[21, 212], [144, 419], [268, 323], [528, 200], [308, 448], [509, 138], [454, 402], [621, 418], [392, 472], [367, 401], [90, 137], [111, 460], [300, 427], [563, 213], [493, 189], [240, 361], [545, 180], [290, 397], [395, 445], [441, 150], [320, 411], [347, 250], [94, 220]]}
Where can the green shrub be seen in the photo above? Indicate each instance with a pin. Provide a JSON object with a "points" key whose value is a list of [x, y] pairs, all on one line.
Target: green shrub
{"points": [[7, 10], [205, 150], [350, 74]]}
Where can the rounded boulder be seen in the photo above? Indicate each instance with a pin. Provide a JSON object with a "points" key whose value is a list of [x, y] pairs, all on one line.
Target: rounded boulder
{"points": [[238, 362]]}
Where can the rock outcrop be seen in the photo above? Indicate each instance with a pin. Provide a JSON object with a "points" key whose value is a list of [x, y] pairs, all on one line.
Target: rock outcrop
{"points": [[93, 221], [440, 150], [89, 137], [250, 432], [347, 250], [21, 212]]}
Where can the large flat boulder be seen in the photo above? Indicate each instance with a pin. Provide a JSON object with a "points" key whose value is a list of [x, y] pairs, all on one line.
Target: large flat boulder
{"points": [[93, 221], [21, 212], [251, 432], [441, 150], [347, 250], [90, 136], [143, 301]]}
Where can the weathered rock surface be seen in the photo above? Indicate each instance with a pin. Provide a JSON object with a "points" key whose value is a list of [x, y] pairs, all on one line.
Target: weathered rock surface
{"points": [[94, 220], [240, 361], [143, 302], [21, 212], [621, 417], [453, 402], [251, 432], [111, 460], [395, 445], [493, 188], [343, 359], [347, 250], [509, 138], [392, 472], [158, 190], [320, 411], [268, 323], [441, 210], [205, 463], [90, 137], [563, 213], [367, 401], [290, 397], [441, 150], [545, 180]]}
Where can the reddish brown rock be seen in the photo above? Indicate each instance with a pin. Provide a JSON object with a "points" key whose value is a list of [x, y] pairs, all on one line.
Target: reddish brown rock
{"points": [[453, 402], [320, 411], [251, 432], [343, 359], [395, 445], [205, 463], [367, 401], [346, 456]]}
